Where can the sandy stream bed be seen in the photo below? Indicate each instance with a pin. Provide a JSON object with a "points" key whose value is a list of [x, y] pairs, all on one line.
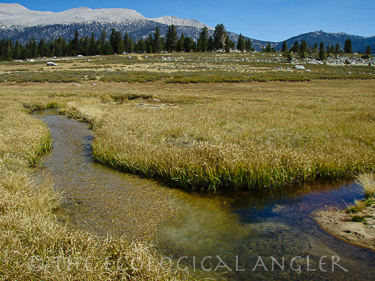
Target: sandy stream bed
{"points": [[338, 223]]}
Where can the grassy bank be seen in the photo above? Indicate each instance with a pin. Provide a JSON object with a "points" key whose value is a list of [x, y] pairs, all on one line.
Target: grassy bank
{"points": [[222, 136], [34, 246], [249, 138]]}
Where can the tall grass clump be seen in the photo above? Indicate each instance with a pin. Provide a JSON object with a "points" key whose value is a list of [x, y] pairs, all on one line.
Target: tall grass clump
{"points": [[22, 138], [34, 246], [228, 144], [132, 77], [367, 181]]}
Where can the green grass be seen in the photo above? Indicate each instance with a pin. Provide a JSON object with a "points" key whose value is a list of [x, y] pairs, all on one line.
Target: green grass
{"points": [[132, 77], [358, 219], [235, 77], [183, 68], [46, 76]]}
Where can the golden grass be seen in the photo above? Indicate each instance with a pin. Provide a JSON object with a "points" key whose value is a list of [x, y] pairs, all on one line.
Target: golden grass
{"points": [[34, 246], [367, 181], [251, 137]]}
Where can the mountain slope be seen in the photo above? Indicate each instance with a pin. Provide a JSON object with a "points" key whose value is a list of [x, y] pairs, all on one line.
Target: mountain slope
{"points": [[18, 15], [15, 14], [359, 43], [20, 23]]}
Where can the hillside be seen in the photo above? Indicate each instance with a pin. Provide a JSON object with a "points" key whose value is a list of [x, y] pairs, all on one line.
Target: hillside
{"points": [[19, 23], [359, 43]]}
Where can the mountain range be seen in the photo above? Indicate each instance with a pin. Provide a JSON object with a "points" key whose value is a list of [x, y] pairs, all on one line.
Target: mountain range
{"points": [[19, 23]]}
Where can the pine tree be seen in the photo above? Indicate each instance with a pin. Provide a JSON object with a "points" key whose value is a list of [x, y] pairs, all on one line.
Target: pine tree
{"points": [[203, 40], [348, 46], [157, 40], [284, 48], [103, 37], [126, 42], [103, 42], [63, 46], [107, 48], [296, 47], [227, 45], [76, 43], [171, 38], [112, 40], [337, 50], [141, 46], [193, 46], [210, 44], [232, 44], [42, 48], [315, 49], [92, 45], [150, 44], [6, 47], [33, 48], [331, 49], [241, 43], [131, 46], [180, 43], [85, 46], [303, 49], [56, 50], [188, 44], [368, 50], [268, 48], [98, 50], [322, 53], [248, 46], [116, 42], [220, 36], [18, 49]]}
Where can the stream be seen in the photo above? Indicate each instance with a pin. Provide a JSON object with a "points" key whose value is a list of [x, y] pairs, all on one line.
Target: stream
{"points": [[242, 235]]}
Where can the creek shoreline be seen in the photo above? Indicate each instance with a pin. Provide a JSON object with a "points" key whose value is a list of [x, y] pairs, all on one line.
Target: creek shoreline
{"points": [[338, 223]]}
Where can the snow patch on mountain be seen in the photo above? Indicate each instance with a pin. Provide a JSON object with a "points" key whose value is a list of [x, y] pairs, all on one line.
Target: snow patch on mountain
{"points": [[17, 15], [169, 20]]}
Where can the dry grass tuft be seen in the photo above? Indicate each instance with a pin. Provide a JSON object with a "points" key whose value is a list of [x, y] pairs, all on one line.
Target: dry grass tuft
{"points": [[367, 181]]}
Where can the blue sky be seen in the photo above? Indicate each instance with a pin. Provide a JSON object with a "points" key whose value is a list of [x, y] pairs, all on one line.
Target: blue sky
{"points": [[269, 20]]}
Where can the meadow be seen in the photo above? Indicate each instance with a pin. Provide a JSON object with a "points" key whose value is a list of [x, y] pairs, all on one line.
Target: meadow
{"points": [[193, 121]]}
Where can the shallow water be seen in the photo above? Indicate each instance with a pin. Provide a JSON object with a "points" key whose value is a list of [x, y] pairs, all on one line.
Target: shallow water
{"points": [[226, 235]]}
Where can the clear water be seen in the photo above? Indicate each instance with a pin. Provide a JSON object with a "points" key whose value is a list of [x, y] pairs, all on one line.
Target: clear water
{"points": [[246, 235]]}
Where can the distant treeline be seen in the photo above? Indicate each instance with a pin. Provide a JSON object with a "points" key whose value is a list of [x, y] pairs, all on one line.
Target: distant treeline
{"points": [[321, 52], [118, 44], [156, 43]]}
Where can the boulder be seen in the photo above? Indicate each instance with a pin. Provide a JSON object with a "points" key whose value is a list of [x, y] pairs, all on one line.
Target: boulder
{"points": [[299, 67]]}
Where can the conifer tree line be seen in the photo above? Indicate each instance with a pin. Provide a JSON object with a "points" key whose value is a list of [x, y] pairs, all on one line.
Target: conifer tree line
{"points": [[321, 52], [156, 43], [119, 43]]}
